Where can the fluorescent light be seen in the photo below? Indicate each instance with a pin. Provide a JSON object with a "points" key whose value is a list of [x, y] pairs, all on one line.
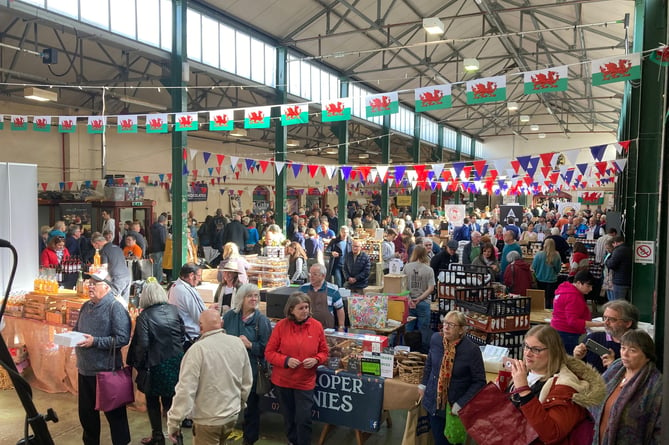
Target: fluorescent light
{"points": [[512, 106], [524, 118], [238, 133], [332, 150], [141, 103], [40, 94], [542, 135], [433, 25], [363, 156], [292, 143], [534, 127], [471, 64], [550, 111]]}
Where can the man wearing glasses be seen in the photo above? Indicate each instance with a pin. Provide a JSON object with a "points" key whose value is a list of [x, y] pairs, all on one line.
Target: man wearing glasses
{"points": [[325, 298], [619, 317]]}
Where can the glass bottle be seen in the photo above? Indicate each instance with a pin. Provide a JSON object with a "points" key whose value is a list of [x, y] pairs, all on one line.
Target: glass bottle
{"points": [[97, 259], [80, 284]]}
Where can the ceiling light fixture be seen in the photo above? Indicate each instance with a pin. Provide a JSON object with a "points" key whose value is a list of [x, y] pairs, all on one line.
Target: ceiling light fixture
{"points": [[141, 103], [542, 135], [238, 133], [363, 156], [40, 94], [524, 118], [512, 106], [332, 150], [292, 143], [534, 127], [548, 108], [433, 25], [471, 64]]}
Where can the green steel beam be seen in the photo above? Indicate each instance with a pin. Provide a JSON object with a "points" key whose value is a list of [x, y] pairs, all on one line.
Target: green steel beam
{"points": [[280, 137], [415, 153], [458, 157], [384, 143], [179, 139], [340, 129], [438, 156]]}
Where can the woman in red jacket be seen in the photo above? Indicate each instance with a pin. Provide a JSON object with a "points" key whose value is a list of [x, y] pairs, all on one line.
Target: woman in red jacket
{"points": [[295, 349], [55, 253]]}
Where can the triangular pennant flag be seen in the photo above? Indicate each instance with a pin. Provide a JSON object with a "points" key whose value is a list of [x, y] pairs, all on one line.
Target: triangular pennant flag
{"points": [[185, 170], [458, 166], [220, 159], [313, 169], [345, 171], [233, 161], [547, 159], [137, 180], [336, 110], [546, 171], [601, 166], [420, 171], [373, 175], [206, 155], [42, 123], [169, 177], [210, 170], [625, 146], [97, 124], [221, 120], [249, 163], [501, 164], [467, 171], [297, 168], [582, 168], [67, 124], [218, 170], [569, 176], [258, 117], [433, 98], [480, 167], [572, 155], [382, 104], [489, 89], [145, 178], [364, 171], [383, 172], [616, 69], [294, 114], [192, 152], [156, 123], [597, 152], [437, 169], [331, 170], [278, 165], [532, 167], [524, 161], [126, 124], [516, 165], [446, 175], [548, 80], [263, 165], [399, 172], [19, 123], [620, 163]]}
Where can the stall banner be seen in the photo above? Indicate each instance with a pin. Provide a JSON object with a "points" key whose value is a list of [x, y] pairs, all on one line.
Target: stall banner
{"points": [[510, 211], [342, 399], [198, 191], [455, 214]]}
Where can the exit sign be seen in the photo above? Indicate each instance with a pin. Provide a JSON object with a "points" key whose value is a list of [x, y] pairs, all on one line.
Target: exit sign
{"points": [[137, 203]]}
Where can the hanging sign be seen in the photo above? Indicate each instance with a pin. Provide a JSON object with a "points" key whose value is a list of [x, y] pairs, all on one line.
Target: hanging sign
{"points": [[644, 252]]}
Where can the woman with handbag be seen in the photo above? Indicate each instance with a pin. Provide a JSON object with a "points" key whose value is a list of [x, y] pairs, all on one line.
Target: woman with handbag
{"points": [[253, 328], [453, 374], [553, 390], [156, 351]]}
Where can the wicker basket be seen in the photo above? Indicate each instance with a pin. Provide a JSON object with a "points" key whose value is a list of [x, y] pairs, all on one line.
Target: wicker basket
{"points": [[411, 371], [5, 381]]}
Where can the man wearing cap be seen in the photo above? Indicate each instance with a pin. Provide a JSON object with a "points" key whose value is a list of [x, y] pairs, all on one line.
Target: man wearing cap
{"points": [[105, 324], [119, 274], [447, 256], [188, 301], [325, 298]]}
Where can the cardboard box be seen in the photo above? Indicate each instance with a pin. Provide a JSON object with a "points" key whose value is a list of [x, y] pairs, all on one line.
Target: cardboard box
{"points": [[398, 308], [210, 275], [69, 339], [395, 283], [207, 291], [538, 297]]}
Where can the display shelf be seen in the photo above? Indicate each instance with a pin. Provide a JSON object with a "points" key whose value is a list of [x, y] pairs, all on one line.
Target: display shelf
{"points": [[272, 272]]}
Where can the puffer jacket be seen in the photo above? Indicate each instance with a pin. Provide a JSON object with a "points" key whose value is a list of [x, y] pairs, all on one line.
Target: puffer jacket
{"points": [[159, 335], [563, 401]]}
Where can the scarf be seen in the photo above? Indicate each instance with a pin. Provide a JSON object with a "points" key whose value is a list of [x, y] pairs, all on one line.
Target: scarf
{"points": [[445, 372]]}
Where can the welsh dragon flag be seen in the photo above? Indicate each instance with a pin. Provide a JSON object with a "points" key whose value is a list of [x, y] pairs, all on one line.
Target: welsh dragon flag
{"points": [[156, 123], [221, 120], [97, 124], [42, 123], [294, 114], [67, 124], [616, 69], [2, 121], [433, 98], [19, 123], [546, 81], [336, 110], [489, 89], [126, 124], [258, 117], [382, 104], [185, 122]]}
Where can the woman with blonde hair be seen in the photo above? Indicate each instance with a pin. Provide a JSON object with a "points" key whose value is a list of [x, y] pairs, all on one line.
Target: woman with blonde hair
{"points": [[546, 267], [253, 328], [155, 352], [231, 255]]}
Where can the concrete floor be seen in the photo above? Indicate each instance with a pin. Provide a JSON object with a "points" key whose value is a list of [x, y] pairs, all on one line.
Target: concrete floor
{"points": [[68, 431]]}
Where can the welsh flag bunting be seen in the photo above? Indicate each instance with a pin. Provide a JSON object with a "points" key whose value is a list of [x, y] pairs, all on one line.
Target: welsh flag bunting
{"points": [[336, 110], [294, 114], [546, 81], [221, 120], [2, 121], [97, 124], [433, 98], [126, 124], [19, 123], [42, 123], [258, 117], [660, 56], [185, 122], [67, 124], [490, 89], [382, 104], [156, 123], [616, 69]]}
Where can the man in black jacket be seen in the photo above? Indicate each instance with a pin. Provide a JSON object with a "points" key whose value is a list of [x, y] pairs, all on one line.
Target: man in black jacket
{"points": [[620, 262], [447, 256], [356, 268], [158, 232], [235, 232]]}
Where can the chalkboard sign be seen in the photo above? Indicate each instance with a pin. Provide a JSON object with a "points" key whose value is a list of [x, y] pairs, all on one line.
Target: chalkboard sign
{"points": [[341, 399]]}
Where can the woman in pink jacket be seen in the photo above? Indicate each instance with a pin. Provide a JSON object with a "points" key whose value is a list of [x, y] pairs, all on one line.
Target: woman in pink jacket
{"points": [[571, 314], [295, 349]]}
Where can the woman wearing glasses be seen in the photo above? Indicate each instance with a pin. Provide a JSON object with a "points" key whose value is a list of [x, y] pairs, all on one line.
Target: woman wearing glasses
{"points": [[554, 390], [453, 374]]}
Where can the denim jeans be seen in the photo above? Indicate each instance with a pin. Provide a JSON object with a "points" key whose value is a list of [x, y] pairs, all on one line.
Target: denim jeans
{"points": [[621, 292], [421, 323], [157, 258]]}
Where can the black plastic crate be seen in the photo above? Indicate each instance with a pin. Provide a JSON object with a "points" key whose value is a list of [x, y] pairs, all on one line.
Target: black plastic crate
{"points": [[475, 294], [512, 340], [446, 305], [498, 307]]}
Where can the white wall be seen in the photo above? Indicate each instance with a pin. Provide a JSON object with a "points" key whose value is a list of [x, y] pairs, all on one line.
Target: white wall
{"points": [[514, 146]]}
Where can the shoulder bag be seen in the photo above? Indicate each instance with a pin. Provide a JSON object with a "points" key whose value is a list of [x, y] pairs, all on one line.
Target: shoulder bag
{"points": [[263, 380]]}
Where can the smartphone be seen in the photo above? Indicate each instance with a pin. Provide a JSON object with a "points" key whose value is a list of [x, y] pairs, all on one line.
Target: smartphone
{"points": [[596, 347]]}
